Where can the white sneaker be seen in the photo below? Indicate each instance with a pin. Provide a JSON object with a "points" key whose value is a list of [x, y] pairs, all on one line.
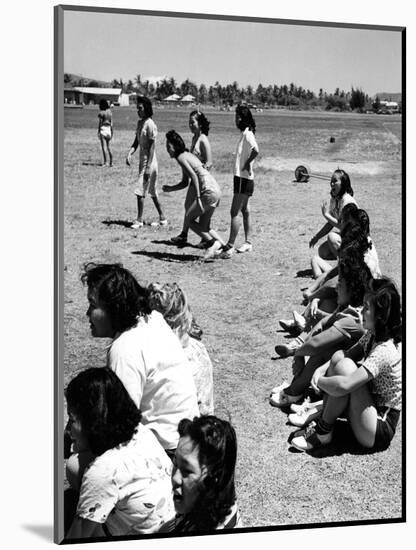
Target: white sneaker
{"points": [[245, 247], [305, 415], [163, 222], [299, 320], [307, 404], [227, 254], [308, 439], [136, 224], [282, 399], [211, 251]]}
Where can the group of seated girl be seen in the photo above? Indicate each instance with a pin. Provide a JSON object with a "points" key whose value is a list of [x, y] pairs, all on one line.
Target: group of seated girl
{"points": [[352, 312], [151, 405]]}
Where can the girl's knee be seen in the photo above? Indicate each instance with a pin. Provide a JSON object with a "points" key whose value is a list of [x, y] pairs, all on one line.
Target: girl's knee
{"points": [[336, 358], [344, 366]]}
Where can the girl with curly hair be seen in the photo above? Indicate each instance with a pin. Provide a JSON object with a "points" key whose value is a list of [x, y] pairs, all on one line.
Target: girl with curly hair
{"points": [[365, 381], [145, 353], [125, 487], [201, 148], [341, 194], [334, 332], [203, 477]]}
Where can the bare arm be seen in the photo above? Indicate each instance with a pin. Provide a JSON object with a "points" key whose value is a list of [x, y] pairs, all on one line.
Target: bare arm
{"points": [[340, 385], [150, 155], [253, 154], [181, 185], [206, 152], [132, 150], [321, 233]]}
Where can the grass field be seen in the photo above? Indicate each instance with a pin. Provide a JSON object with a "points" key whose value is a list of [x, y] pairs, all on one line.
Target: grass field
{"points": [[238, 302]]}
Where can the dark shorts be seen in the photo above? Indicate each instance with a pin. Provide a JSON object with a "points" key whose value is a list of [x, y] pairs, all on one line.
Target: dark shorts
{"points": [[387, 420], [243, 185]]}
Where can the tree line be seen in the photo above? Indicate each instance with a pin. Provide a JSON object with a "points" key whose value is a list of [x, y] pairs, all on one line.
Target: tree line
{"points": [[290, 96]]}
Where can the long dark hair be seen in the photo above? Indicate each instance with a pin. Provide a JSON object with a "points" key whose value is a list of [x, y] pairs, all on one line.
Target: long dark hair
{"points": [[147, 105], [176, 140], [118, 292], [104, 105], [247, 120], [202, 120], [217, 444], [385, 298], [345, 183], [355, 274], [107, 414]]}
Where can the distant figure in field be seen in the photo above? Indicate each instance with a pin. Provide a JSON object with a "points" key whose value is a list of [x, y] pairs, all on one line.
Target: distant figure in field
{"points": [[105, 131], [206, 189], [341, 194], [201, 148], [145, 139], [247, 151]]}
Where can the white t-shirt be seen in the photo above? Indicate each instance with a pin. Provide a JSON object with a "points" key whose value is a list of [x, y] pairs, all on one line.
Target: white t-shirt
{"points": [[129, 487], [151, 363], [246, 143]]}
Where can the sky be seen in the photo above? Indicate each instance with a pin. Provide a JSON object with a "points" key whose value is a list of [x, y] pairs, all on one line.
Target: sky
{"points": [[105, 46]]}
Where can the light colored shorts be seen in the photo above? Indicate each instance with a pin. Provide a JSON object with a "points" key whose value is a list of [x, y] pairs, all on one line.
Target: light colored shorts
{"points": [[105, 132], [147, 187]]}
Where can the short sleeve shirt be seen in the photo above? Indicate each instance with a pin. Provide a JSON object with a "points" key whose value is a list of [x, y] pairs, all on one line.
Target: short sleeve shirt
{"points": [[129, 487], [146, 133], [384, 362], [246, 143]]}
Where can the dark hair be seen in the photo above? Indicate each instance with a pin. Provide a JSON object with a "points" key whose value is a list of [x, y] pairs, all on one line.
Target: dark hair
{"points": [[107, 414], [348, 211], [118, 292], [385, 298], [175, 139], [362, 218], [217, 451], [147, 104], [104, 105], [247, 120], [356, 275], [345, 183], [202, 120]]}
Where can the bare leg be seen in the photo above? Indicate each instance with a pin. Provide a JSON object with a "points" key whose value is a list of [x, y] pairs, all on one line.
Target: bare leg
{"points": [[103, 150], [301, 381], [156, 202], [239, 201], [110, 154], [334, 242], [189, 199], [319, 266], [246, 219], [205, 225], [140, 206]]}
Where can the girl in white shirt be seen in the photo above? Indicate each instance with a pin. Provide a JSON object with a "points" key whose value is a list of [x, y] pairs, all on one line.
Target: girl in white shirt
{"points": [[247, 151]]}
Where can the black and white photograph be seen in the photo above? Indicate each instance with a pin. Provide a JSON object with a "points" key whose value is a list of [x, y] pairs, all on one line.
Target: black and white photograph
{"points": [[229, 295]]}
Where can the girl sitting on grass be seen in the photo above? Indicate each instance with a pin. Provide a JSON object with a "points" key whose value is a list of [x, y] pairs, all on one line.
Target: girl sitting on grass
{"points": [[247, 151], [125, 487], [172, 303], [365, 380], [201, 148], [341, 195], [337, 331], [105, 131], [207, 192], [203, 477], [145, 354]]}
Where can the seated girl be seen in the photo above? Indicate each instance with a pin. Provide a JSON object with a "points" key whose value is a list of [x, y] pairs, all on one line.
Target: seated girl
{"points": [[337, 331], [124, 488], [365, 381], [172, 303], [145, 353], [203, 477], [341, 195]]}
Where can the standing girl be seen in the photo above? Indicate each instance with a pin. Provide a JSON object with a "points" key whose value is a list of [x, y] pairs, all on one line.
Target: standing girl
{"points": [[206, 192], [247, 151], [201, 148], [145, 139], [105, 131], [365, 380]]}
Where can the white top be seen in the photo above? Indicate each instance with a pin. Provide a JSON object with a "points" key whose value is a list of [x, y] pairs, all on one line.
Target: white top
{"points": [[129, 487], [151, 363], [371, 260], [246, 143], [146, 133]]}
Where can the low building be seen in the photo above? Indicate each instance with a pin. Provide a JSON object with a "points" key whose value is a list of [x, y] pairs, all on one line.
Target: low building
{"points": [[84, 95]]}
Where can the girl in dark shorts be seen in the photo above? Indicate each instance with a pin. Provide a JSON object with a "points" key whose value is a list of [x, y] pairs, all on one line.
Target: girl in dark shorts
{"points": [[365, 381], [247, 151]]}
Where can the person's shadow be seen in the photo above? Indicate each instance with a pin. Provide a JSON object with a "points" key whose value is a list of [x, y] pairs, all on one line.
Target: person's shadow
{"points": [[168, 256], [304, 273], [91, 164], [123, 223]]}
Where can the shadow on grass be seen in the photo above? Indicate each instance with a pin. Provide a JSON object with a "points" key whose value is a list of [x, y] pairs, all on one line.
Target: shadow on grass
{"points": [[123, 223], [168, 256], [180, 246], [91, 164], [304, 273], [342, 443]]}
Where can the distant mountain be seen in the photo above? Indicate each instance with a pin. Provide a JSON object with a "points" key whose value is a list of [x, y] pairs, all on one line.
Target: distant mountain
{"points": [[71, 80], [389, 96]]}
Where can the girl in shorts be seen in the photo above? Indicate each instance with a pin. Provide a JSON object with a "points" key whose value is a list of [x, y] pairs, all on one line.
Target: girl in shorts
{"points": [[247, 151], [201, 148], [105, 131], [145, 139], [365, 380], [206, 189]]}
